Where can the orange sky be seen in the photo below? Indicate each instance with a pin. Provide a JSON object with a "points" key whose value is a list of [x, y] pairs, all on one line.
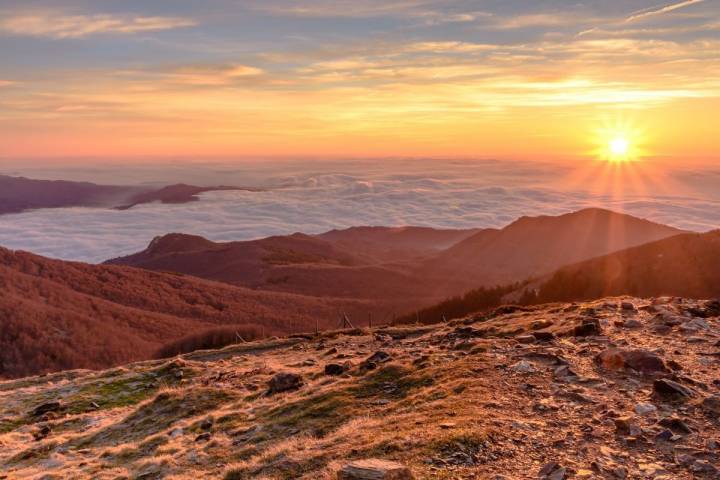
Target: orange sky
{"points": [[400, 78]]}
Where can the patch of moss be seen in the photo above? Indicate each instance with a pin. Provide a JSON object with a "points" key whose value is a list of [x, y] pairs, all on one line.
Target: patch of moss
{"points": [[394, 381], [318, 414], [35, 453], [129, 454], [158, 415], [279, 467], [123, 391], [8, 425]]}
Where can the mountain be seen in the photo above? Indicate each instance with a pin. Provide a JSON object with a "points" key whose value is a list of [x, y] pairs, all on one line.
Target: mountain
{"points": [[18, 194], [179, 193], [60, 315], [365, 262], [561, 391], [533, 246], [685, 265], [411, 266], [389, 244]]}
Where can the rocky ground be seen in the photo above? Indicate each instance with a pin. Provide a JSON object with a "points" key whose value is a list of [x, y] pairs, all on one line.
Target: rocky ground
{"points": [[611, 389]]}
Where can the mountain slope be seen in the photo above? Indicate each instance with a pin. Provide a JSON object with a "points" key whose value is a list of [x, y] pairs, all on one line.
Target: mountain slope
{"points": [[485, 397], [58, 315], [534, 246], [18, 194], [364, 262], [412, 267], [684, 265]]}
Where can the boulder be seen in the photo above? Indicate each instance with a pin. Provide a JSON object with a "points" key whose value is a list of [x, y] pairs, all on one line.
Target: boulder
{"points": [[712, 405], [588, 327], [46, 408], [374, 469], [676, 425], [336, 368], [641, 361], [379, 357], [645, 408], [627, 426], [544, 336], [552, 471], [668, 390], [284, 382]]}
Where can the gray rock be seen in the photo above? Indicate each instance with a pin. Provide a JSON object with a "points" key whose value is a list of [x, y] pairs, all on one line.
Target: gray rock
{"points": [[645, 408], [374, 469], [284, 382], [668, 390]]}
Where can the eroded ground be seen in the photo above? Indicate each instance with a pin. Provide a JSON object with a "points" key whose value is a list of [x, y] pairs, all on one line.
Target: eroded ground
{"points": [[491, 397]]}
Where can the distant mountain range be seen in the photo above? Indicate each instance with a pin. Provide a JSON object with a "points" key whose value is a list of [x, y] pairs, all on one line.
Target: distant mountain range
{"points": [[386, 263], [18, 194], [59, 315]]}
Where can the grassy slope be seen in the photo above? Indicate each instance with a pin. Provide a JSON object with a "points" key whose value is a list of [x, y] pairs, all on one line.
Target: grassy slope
{"points": [[448, 406]]}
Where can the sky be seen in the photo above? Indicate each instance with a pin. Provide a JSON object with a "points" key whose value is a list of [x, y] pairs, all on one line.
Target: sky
{"points": [[507, 79]]}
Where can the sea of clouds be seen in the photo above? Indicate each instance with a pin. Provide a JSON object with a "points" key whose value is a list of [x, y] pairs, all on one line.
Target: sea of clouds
{"points": [[316, 196]]}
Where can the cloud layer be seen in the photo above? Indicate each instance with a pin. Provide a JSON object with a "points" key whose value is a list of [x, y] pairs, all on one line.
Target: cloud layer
{"points": [[76, 26], [315, 197]]}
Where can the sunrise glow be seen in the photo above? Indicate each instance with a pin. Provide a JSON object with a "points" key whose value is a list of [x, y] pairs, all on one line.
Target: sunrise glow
{"points": [[432, 81]]}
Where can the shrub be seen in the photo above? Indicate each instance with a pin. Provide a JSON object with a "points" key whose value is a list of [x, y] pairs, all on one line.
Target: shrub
{"points": [[213, 338]]}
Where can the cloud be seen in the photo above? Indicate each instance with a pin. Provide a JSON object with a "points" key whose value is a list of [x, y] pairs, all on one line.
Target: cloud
{"points": [[642, 14], [6, 83], [314, 197], [77, 26]]}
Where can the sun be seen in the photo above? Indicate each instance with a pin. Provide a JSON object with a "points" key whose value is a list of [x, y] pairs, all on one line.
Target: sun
{"points": [[619, 141], [619, 146]]}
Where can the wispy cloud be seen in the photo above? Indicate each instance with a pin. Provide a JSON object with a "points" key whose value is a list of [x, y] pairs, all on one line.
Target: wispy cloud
{"points": [[77, 26], [651, 12], [6, 83]]}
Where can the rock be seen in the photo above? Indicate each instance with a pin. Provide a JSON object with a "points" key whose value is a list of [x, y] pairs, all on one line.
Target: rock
{"points": [[627, 306], [661, 329], [203, 437], [676, 425], [42, 433], [668, 390], [627, 426], [645, 408], [206, 424], [633, 323], [526, 339], [664, 436], [552, 471], [335, 369], [523, 367], [46, 408], [694, 325], [332, 351], [284, 382], [543, 336], [374, 469], [587, 328], [712, 404], [378, 357], [564, 372], [641, 361]]}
